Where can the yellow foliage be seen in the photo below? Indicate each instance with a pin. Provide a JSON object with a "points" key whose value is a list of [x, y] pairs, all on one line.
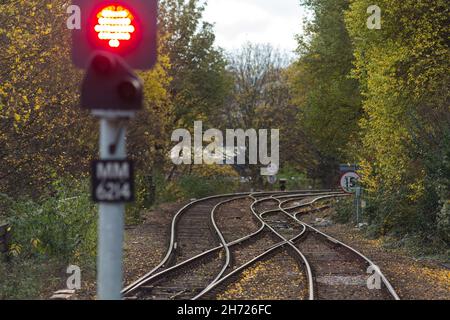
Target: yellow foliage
{"points": [[397, 66], [15, 249], [215, 170], [35, 243], [41, 121]]}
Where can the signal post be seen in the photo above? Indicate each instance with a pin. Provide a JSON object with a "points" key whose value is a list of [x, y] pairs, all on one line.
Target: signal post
{"points": [[115, 38]]}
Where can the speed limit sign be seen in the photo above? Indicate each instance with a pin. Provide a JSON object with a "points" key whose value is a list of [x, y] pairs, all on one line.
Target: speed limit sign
{"points": [[349, 182]]}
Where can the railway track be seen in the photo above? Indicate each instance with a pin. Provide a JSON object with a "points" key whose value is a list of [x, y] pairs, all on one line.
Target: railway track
{"points": [[214, 240], [339, 271], [168, 279]]}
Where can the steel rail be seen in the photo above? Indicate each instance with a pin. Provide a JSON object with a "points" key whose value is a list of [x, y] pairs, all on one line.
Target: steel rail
{"points": [[277, 196], [291, 244], [324, 196], [141, 281], [250, 263], [219, 279], [228, 253], [335, 241], [149, 276], [224, 246]]}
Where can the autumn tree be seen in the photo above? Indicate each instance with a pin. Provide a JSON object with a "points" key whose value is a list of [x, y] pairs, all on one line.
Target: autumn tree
{"points": [[199, 83], [261, 99], [41, 131], [403, 72], [329, 100], [45, 137]]}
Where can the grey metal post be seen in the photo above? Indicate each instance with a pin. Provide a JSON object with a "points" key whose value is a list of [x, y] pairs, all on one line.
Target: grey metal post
{"points": [[111, 220], [358, 203], [357, 209]]}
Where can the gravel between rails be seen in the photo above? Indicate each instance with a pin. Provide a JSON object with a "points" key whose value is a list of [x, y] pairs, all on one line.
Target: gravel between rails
{"points": [[413, 278], [235, 220], [277, 277], [338, 273]]}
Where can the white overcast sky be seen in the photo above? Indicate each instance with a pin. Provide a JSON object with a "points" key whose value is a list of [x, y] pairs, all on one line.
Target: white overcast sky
{"points": [[258, 21]]}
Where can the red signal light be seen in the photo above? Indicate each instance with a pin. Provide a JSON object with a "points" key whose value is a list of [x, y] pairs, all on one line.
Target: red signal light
{"points": [[115, 24], [126, 28]]}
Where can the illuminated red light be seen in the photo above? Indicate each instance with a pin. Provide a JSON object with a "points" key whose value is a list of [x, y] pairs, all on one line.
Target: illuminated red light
{"points": [[115, 25]]}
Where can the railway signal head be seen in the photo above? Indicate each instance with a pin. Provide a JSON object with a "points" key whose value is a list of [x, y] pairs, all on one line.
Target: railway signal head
{"points": [[124, 28], [110, 84]]}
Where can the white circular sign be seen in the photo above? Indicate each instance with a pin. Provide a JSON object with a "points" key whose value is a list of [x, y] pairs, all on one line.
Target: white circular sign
{"points": [[349, 182]]}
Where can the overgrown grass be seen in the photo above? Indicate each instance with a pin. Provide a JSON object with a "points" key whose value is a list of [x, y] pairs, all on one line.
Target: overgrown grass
{"points": [[51, 233], [47, 235], [399, 229], [29, 278], [193, 186], [345, 209], [63, 226], [295, 180]]}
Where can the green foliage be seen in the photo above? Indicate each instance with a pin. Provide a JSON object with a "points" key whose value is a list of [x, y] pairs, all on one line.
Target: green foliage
{"points": [[193, 186], [380, 97], [443, 222], [295, 180], [328, 98], [387, 213], [62, 227], [48, 235], [27, 279], [6, 203], [145, 198], [200, 83], [403, 72], [345, 210], [198, 187]]}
